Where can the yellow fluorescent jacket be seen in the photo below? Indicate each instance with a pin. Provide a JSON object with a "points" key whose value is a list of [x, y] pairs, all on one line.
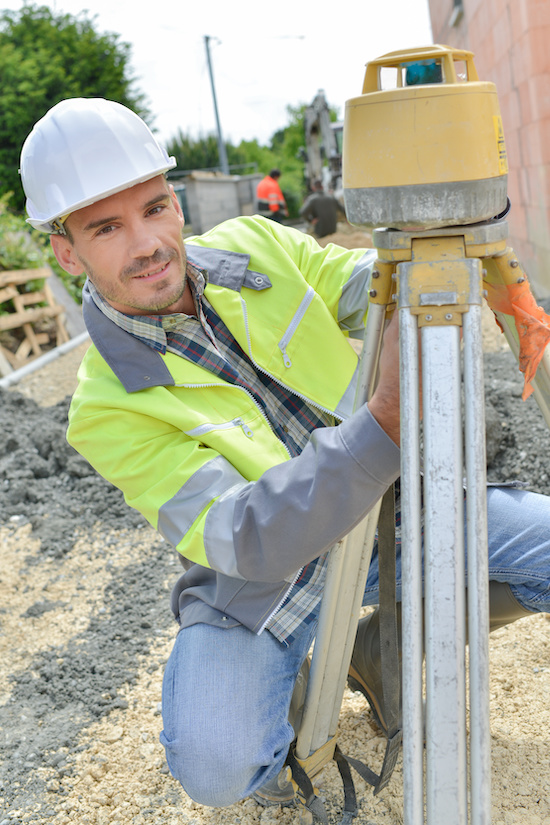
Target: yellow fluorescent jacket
{"points": [[197, 457]]}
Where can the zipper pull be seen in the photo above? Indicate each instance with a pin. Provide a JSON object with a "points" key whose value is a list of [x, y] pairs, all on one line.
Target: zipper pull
{"points": [[286, 358], [245, 428]]}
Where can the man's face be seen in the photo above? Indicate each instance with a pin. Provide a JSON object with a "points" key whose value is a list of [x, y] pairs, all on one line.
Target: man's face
{"points": [[131, 247]]}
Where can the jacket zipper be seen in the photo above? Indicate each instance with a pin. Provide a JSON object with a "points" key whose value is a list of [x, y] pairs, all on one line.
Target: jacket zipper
{"points": [[276, 609], [207, 428], [294, 324], [276, 380], [239, 422]]}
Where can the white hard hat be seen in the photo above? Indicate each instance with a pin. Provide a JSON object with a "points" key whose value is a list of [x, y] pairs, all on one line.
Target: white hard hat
{"points": [[81, 151]]}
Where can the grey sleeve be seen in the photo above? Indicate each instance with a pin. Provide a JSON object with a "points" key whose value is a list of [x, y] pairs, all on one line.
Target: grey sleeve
{"points": [[354, 301]]}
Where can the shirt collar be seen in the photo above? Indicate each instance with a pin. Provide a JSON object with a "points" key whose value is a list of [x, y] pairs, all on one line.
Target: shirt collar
{"points": [[152, 329]]}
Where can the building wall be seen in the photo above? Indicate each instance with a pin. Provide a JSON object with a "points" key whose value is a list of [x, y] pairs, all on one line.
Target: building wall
{"points": [[213, 198], [510, 40]]}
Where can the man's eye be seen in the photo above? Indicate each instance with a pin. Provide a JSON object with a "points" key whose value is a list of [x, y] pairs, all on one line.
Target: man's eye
{"points": [[106, 230], [156, 209]]}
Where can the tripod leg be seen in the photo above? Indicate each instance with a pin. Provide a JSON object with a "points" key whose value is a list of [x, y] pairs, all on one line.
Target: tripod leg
{"points": [[478, 573], [444, 577], [411, 533], [346, 577]]}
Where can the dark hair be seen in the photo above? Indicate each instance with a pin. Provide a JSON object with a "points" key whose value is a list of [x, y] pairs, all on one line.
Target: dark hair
{"points": [[275, 173], [68, 234]]}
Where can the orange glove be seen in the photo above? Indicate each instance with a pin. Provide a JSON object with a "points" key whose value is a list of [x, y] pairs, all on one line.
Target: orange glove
{"points": [[532, 324]]}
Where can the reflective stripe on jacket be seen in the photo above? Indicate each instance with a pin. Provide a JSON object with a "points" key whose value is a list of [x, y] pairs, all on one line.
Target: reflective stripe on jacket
{"points": [[197, 457]]}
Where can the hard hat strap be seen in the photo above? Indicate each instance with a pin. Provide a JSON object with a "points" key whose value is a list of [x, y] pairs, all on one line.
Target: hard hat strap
{"points": [[58, 226]]}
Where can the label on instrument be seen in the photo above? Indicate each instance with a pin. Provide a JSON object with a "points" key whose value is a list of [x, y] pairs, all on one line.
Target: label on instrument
{"points": [[501, 146]]}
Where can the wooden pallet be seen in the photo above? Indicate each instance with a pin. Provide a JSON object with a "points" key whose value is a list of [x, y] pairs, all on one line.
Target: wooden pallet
{"points": [[27, 314]]}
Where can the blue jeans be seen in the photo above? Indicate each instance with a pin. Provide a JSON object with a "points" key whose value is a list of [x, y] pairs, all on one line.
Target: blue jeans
{"points": [[226, 692], [519, 548]]}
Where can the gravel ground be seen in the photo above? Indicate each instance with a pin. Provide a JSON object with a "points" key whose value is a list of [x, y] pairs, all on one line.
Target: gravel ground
{"points": [[85, 630]]}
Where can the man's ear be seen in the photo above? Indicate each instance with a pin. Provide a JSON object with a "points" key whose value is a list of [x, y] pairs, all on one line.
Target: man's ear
{"points": [[65, 254]]}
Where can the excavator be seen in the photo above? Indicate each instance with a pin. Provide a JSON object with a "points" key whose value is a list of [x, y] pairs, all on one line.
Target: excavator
{"points": [[322, 154]]}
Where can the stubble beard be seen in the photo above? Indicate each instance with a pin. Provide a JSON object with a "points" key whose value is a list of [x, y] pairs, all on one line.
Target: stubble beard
{"points": [[167, 296]]}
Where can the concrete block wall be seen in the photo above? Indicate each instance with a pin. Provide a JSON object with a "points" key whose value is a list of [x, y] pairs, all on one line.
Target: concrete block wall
{"points": [[213, 198], [510, 40]]}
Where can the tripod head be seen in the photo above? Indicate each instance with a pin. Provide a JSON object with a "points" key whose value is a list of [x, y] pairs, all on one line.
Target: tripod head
{"points": [[423, 145]]}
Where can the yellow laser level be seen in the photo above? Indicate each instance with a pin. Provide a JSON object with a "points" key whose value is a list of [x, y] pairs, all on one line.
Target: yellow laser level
{"points": [[423, 144]]}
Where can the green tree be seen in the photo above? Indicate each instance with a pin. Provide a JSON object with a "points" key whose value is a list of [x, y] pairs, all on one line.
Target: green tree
{"points": [[44, 58], [193, 154], [253, 153], [286, 145], [19, 247], [202, 153]]}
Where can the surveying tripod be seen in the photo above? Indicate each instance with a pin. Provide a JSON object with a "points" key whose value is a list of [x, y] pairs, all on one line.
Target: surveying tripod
{"points": [[436, 278]]}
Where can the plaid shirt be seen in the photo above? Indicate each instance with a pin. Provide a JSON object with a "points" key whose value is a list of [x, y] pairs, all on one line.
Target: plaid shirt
{"points": [[205, 340]]}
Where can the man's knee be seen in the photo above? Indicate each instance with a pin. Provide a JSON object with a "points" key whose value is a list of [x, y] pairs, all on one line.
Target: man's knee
{"points": [[210, 774]]}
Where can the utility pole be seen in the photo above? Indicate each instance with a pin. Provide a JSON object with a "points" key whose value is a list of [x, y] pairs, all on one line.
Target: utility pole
{"points": [[221, 145]]}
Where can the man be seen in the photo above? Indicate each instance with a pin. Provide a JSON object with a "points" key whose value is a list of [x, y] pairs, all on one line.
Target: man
{"points": [[218, 370], [321, 210], [270, 199]]}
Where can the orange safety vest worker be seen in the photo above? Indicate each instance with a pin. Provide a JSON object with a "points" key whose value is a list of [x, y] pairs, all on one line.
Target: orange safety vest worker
{"points": [[271, 201]]}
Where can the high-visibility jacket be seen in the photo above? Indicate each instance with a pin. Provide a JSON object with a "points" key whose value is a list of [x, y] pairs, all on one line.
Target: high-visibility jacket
{"points": [[270, 197], [196, 455]]}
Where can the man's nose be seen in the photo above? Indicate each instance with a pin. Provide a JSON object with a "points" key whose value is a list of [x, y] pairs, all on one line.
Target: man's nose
{"points": [[144, 240]]}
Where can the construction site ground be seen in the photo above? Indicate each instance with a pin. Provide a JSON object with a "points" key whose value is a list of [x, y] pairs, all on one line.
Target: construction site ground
{"points": [[86, 629]]}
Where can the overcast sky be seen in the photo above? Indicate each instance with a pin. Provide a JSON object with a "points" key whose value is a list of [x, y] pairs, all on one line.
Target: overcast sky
{"points": [[265, 56]]}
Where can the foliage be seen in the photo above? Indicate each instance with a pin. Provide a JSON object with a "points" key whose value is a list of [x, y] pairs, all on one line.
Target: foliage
{"points": [[24, 248], [19, 248], [202, 153], [286, 144], [44, 58]]}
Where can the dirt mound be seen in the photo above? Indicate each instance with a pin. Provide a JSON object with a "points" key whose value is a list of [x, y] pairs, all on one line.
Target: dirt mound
{"points": [[347, 236]]}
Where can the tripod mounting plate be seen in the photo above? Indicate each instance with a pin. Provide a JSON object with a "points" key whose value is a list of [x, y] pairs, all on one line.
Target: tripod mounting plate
{"points": [[480, 239]]}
